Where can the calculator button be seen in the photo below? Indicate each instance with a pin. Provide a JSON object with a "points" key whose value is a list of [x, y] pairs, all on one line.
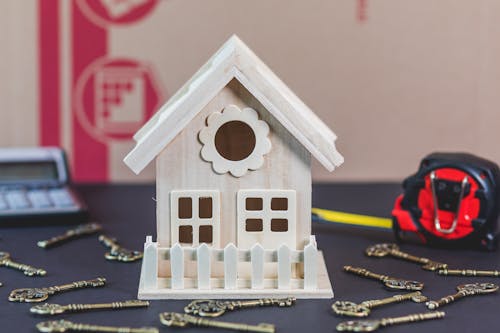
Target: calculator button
{"points": [[61, 198], [3, 204], [17, 200], [39, 199]]}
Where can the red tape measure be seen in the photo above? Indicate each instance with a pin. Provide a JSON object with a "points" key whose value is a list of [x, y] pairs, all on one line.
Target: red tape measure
{"points": [[452, 201]]}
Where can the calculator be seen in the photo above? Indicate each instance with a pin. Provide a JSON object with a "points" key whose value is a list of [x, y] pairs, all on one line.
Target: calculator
{"points": [[35, 188]]}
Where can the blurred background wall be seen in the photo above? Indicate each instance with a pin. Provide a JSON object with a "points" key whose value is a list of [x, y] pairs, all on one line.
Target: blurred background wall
{"points": [[394, 79]]}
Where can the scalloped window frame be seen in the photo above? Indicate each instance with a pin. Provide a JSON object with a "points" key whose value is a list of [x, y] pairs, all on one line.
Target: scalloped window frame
{"points": [[253, 161]]}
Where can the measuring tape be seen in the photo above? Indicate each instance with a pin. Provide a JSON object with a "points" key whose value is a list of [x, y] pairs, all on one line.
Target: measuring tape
{"points": [[352, 219], [452, 201]]}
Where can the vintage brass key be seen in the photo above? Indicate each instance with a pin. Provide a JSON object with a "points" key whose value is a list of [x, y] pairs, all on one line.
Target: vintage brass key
{"points": [[81, 230], [184, 320], [55, 309], [372, 325], [388, 281], [119, 253], [215, 308], [66, 325], [26, 269], [464, 290], [346, 308], [35, 295], [386, 249], [468, 272]]}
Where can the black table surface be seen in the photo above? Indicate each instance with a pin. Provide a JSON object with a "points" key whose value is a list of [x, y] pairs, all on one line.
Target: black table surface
{"points": [[127, 212]]}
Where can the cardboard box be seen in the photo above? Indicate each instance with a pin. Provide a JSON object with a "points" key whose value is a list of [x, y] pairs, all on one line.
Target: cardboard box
{"points": [[396, 80]]}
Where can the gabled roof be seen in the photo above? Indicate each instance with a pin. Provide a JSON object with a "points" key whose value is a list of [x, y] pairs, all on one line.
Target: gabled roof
{"points": [[234, 60]]}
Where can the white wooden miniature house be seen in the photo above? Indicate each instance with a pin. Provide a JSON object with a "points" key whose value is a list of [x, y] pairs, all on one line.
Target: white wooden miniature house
{"points": [[233, 152]]}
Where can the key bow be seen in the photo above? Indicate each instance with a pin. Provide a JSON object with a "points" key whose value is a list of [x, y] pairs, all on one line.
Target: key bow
{"points": [[352, 309], [47, 308], [403, 284], [358, 325], [381, 250], [54, 326], [174, 319], [478, 288], [29, 295], [207, 307], [121, 254]]}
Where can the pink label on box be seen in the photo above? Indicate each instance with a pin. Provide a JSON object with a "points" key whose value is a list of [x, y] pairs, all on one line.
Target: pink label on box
{"points": [[109, 98]]}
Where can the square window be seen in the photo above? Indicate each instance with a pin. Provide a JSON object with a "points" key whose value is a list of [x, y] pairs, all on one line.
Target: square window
{"points": [[253, 204], [185, 208], [186, 234], [253, 225], [206, 233], [279, 204], [205, 207], [279, 225]]}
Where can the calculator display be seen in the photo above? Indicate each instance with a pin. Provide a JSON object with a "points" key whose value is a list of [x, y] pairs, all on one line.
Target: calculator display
{"points": [[22, 171]]}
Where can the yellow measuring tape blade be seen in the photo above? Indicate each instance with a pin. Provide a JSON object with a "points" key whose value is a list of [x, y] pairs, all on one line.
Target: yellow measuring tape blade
{"points": [[355, 219]]}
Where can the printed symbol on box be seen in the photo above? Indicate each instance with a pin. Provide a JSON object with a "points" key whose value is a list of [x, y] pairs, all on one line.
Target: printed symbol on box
{"points": [[119, 99], [362, 11], [120, 8], [107, 12], [114, 98]]}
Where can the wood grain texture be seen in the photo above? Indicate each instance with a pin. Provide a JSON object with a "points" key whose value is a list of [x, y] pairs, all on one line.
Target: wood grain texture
{"points": [[179, 166], [234, 60]]}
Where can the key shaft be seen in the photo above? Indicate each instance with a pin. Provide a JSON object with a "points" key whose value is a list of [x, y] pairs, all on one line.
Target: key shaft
{"points": [[55, 309], [363, 309], [184, 320], [35, 295], [412, 318], [388, 249], [216, 308], [372, 325], [416, 297], [365, 273], [464, 290], [468, 272], [66, 325], [388, 281], [26, 269], [117, 252], [81, 230]]}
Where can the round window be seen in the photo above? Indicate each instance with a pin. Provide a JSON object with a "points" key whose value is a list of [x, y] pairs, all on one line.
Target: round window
{"points": [[235, 140]]}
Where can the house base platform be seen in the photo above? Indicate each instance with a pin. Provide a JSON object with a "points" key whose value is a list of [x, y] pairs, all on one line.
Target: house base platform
{"points": [[243, 290]]}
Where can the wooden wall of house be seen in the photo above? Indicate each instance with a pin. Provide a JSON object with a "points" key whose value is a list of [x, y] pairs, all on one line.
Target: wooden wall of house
{"points": [[180, 167]]}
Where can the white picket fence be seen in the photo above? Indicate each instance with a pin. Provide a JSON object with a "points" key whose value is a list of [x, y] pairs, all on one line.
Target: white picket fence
{"points": [[231, 256]]}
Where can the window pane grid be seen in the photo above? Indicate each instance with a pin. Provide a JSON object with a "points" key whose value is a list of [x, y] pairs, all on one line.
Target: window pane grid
{"points": [[266, 214], [204, 221]]}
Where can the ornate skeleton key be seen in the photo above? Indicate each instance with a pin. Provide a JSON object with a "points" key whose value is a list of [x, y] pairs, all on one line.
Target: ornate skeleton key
{"points": [[385, 249], [184, 320], [346, 308], [26, 269], [81, 230], [464, 290], [389, 282], [55, 309], [66, 325], [468, 272], [372, 325], [35, 295], [214, 308], [119, 253]]}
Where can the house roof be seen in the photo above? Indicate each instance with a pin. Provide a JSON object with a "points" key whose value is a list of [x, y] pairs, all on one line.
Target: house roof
{"points": [[234, 60]]}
